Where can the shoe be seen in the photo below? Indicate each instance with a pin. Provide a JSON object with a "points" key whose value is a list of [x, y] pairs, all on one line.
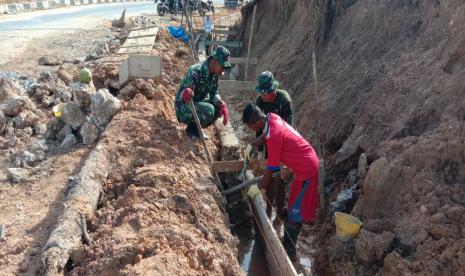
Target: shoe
{"points": [[192, 132]]}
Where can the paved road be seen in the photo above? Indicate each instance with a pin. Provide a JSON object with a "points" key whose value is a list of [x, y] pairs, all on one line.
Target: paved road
{"points": [[66, 18]]}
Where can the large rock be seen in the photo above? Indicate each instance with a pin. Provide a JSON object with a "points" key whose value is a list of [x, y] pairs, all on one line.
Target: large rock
{"points": [[63, 96], [89, 133], [362, 165], [12, 106], [25, 119], [73, 116], [68, 73], [40, 128], [65, 131], [25, 159], [104, 106], [82, 93], [17, 175], [49, 61], [54, 126], [69, 142], [373, 186], [7, 89], [371, 247], [2, 122]]}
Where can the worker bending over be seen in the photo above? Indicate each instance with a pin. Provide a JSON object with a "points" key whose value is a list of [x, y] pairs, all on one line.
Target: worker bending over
{"points": [[200, 84], [285, 145], [278, 101]]}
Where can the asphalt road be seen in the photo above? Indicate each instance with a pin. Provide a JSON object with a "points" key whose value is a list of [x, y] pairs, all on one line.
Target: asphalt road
{"points": [[67, 18]]}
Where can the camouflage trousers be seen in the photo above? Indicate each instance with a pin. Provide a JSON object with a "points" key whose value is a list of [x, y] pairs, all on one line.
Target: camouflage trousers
{"points": [[207, 113]]}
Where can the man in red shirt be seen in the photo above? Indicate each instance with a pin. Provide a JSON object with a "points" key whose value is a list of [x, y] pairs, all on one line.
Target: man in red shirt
{"points": [[285, 145]]}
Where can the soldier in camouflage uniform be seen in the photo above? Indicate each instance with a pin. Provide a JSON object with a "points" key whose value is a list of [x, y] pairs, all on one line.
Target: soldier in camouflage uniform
{"points": [[272, 99], [200, 84]]}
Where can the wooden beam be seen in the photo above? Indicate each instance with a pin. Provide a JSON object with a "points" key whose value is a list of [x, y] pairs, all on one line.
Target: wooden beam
{"points": [[225, 32], [234, 60], [227, 43], [275, 254], [232, 85]]}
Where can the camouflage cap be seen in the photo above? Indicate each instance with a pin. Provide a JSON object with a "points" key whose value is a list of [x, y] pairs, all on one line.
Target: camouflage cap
{"points": [[221, 54], [266, 82]]}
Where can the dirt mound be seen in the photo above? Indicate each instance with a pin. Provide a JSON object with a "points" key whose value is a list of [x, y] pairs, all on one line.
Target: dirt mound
{"points": [[160, 214], [390, 86]]}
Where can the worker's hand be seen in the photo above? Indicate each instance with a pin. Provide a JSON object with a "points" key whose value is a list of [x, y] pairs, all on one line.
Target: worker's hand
{"points": [[253, 191], [248, 152], [224, 112], [187, 95]]}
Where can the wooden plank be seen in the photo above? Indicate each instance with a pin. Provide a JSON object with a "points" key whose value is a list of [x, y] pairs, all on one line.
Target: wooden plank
{"points": [[142, 41], [143, 28], [232, 85], [252, 28], [276, 256], [243, 60], [225, 32], [140, 36], [227, 43], [138, 45]]}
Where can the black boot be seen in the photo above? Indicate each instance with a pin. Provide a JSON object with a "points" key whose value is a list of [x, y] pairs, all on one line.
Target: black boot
{"points": [[192, 131], [289, 241]]}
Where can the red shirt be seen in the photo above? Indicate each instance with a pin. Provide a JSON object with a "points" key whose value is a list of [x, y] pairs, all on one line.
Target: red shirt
{"points": [[286, 145]]}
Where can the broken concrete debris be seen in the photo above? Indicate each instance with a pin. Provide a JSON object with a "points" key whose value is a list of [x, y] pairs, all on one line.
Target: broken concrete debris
{"points": [[17, 175]]}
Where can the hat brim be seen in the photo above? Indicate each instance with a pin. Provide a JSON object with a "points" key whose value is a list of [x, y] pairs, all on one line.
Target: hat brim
{"points": [[269, 89]]}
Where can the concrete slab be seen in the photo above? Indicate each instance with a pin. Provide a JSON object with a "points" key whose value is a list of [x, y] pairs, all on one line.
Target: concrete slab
{"points": [[140, 66], [30, 6], [65, 2], [84, 2], [75, 2], [43, 5]]}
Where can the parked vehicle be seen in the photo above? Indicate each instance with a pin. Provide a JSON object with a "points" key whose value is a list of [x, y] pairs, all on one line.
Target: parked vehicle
{"points": [[165, 6], [206, 6]]}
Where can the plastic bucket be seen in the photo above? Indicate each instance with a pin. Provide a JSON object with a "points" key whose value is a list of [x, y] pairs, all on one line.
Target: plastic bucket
{"points": [[347, 226]]}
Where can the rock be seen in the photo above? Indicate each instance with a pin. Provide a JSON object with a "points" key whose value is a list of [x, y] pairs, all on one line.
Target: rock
{"points": [[82, 93], [38, 146], [25, 119], [24, 266], [144, 87], [370, 247], [8, 89], [65, 131], [104, 106], [45, 75], [12, 106], [25, 159], [47, 101], [40, 128], [25, 132], [362, 165], [2, 122], [373, 186], [73, 116], [455, 213], [68, 73], [69, 142], [17, 175], [49, 61], [85, 76], [54, 126], [89, 133], [63, 96]]}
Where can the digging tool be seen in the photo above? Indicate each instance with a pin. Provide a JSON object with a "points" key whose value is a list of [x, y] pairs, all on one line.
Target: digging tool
{"points": [[242, 185], [207, 152]]}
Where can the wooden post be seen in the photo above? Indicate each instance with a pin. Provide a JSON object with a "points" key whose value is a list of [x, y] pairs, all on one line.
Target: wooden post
{"points": [[191, 31], [250, 41]]}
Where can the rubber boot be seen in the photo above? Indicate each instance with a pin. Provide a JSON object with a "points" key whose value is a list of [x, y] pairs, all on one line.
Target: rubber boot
{"points": [[289, 241]]}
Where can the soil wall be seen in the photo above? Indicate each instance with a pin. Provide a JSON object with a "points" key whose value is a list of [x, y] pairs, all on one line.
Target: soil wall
{"points": [[391, 86]]}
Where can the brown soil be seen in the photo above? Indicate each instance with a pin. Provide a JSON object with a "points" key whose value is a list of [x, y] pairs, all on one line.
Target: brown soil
{"points": [[161, 211], [390, 85]]}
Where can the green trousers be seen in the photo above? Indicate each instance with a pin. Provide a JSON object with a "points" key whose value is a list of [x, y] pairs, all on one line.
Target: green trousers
{"points": [[207, 113]]}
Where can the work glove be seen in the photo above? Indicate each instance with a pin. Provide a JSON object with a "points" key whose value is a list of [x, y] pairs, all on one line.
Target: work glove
{"points": [[253, 191], [248, 152], [224, 112], [187, 95]]}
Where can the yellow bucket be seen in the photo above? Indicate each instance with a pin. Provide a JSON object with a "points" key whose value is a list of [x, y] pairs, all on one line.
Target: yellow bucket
{"points": [[347, 226], [57, 110]]}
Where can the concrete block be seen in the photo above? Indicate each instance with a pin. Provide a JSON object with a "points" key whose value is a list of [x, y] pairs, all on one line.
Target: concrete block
{"points": [[14, 8], [84, 2], [43, 5], [3, 9], [75, 2], [140, 66], [92, 1], [65, 2], [30, 6]]}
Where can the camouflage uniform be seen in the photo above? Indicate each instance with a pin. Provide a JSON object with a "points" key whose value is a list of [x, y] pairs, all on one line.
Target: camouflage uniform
{"points": [[205, 86], [282, 106]]}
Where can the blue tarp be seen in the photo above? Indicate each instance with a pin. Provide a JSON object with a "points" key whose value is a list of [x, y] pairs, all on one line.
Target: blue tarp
{"points": [[179, 33]]}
